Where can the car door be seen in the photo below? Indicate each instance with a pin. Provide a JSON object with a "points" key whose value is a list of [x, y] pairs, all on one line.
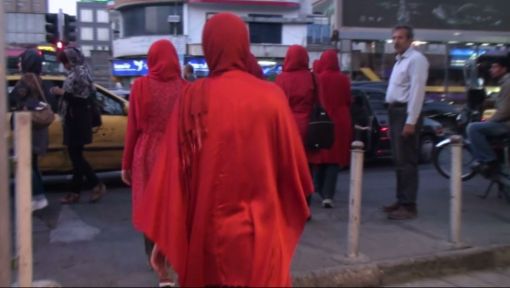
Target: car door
{"points": [[105, 152]]}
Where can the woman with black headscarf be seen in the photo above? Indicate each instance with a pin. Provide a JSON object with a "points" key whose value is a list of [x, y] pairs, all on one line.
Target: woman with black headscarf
{"points": [[74, 109], [26, 96]]}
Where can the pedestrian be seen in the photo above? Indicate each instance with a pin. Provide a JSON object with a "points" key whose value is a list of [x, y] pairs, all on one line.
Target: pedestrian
{"points": [[231, 177], [405, 96], [300, 87], [29, 94], [335, 97], [316, 67], [152, 101], [189, 73], [480, 133], [76, 111]]}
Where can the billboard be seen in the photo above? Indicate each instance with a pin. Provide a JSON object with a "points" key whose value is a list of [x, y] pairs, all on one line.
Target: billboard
{"points": [[129, 67], [487, 15]]}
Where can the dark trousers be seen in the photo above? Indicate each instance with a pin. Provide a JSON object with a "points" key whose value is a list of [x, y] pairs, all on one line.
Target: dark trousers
{"points": [[80, 168], [325, 180], [37, 182], [405, 152], [149, 245]]}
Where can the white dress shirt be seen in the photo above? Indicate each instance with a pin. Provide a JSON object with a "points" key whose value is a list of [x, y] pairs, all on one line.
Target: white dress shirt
{"points": [[407, 83]]}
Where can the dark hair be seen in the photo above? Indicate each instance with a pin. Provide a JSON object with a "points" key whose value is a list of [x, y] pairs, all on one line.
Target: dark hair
{"points": [[409, 30], [502, 61], [62, 57]]}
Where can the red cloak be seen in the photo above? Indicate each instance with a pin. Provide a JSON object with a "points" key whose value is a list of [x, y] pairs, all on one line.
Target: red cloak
{"points": [[232, 176], [335, 96]]}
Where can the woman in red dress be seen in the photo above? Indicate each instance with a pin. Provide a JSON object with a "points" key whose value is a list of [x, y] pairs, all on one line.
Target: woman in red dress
{"points": [[151, 103], [335, 95]]}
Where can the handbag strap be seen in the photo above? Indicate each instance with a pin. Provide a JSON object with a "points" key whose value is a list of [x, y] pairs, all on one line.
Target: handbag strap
{"points": [[39, 87]]}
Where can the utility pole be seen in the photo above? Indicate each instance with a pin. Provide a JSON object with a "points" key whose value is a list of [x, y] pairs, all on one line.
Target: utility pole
{"points": [[5, 229]]}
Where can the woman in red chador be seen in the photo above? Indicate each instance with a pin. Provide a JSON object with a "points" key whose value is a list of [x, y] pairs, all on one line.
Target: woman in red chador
{"points": [[297, 83], [335, 94], [232, 177], [151, 102]]}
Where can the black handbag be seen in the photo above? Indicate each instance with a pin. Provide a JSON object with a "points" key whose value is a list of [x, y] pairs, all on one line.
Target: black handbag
{"points": [[95, 110], [321, 130]]}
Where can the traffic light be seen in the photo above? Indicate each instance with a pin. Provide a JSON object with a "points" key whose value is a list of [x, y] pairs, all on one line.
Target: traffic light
{"points": [[69, 28], [52, 33]]}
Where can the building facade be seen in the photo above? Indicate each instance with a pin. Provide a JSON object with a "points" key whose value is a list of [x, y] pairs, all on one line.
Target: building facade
{"points": [[93, 26], [274, 25], [24, 20], [448, 32]]}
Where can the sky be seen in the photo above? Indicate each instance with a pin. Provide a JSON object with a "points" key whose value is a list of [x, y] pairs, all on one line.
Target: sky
{"points": [[68, 6]]}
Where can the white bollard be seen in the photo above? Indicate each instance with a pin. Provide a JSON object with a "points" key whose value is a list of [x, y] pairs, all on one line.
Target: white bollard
{"points": [[456, 190], [355, 199], [23, 149]]}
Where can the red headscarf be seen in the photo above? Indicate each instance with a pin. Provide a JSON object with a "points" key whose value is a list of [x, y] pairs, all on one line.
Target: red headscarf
{"points": [[227, 50], [296, 59], [254, 67], [217, 224], [297, 83], [317, 68], [163, 61]]}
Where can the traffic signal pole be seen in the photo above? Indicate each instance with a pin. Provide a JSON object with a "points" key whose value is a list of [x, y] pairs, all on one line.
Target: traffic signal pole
{"points": [[5, 229]]}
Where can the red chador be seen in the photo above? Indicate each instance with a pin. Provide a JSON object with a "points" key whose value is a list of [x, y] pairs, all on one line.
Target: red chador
{"points": [[232, 175], [335, 96], [152, 100]]}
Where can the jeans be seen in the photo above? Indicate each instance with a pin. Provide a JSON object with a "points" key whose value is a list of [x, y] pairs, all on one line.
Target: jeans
{"points": [[37, 182], [325, 180], [478, 134]]}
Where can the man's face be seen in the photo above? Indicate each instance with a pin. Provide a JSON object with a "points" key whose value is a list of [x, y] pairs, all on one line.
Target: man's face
{"points": [[401, 41], [497, 71]]}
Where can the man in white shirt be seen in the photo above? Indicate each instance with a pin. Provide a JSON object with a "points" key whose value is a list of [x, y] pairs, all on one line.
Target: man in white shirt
{"points": [[405, 96]]}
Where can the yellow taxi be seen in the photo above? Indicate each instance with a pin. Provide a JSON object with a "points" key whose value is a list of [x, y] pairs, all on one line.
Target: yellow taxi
{"points": [[105, 152]]}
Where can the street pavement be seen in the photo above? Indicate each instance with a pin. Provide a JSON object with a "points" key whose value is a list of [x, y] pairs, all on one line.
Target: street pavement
{"points": [[95, 244], [499, 277]]}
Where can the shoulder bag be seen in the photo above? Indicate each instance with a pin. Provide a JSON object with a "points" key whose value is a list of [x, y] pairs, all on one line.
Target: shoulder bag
{"points": [[321, 130]]}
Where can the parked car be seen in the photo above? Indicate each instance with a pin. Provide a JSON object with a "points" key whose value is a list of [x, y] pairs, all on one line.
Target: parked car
{"points": [[377, 139], [105, 153]]}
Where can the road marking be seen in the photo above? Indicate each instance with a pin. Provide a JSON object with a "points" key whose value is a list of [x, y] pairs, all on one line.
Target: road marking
{"points": [[70, 228]]}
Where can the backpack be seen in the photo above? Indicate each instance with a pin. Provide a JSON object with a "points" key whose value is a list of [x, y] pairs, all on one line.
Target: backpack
{"points": [[321, 130]]}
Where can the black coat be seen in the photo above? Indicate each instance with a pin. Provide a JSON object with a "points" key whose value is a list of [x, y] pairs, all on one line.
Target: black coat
{"points": [[77, 121]]}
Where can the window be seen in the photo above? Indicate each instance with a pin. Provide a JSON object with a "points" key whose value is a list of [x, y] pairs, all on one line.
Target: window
{"points": [[265, 32], [109, 106], [86, 50], [102, 16], [86, 15], [103, 34], [86, 33], [152, 20]]}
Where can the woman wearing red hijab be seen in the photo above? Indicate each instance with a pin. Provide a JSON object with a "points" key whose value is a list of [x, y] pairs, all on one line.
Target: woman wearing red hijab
{"points": [[152, 99], [316, 67], [335, 95], [232, 177]]}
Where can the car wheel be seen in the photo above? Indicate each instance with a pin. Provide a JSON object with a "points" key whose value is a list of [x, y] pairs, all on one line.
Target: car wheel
{"points": [[426, 148]]}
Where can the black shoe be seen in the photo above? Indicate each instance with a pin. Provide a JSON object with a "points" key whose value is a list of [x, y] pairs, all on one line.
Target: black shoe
{"points": [[489, 169]]}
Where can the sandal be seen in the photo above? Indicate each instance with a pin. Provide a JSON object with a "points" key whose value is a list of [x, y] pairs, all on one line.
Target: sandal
{"points": [[97, 193], [70, 198]]}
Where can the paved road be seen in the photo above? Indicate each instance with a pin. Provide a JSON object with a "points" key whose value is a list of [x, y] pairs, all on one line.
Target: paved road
{"points": [[95, 244]]}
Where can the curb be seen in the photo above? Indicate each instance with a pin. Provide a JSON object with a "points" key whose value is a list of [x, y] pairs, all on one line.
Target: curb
{"points": [[388, 272]]}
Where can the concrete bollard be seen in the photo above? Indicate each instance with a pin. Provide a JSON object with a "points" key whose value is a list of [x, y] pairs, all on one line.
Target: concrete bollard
{"points": [[456, 190], [23, 148], [355, 199]]}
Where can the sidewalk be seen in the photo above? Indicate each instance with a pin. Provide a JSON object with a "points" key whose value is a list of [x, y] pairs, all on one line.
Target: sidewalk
{"points": [[105, 251]]}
